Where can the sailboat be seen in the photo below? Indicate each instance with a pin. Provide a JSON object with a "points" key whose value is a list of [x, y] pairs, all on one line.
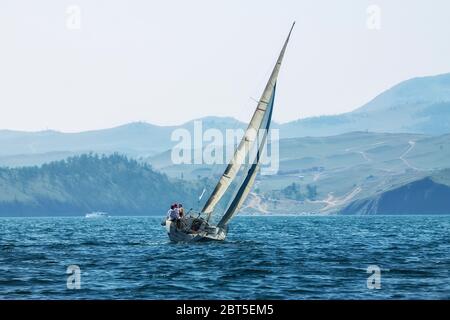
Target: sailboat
{"points": [[199, 227]]}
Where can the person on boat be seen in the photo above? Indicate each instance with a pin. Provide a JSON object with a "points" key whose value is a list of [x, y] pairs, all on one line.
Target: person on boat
{"points": [[176, 214], [180, 211], [172, 214]]}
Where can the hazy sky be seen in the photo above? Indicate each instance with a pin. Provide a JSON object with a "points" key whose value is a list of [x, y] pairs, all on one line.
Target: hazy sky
{"points": [[167, 62]]}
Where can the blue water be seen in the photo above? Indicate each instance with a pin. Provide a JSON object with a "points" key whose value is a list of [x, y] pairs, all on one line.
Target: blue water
{"points": [[263, 258]]}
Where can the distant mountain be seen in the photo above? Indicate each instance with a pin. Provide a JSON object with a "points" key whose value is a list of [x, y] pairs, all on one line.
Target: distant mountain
{"points": [[18, 148], [133, 138], [419, 105], [393, 152], [88, 183]]}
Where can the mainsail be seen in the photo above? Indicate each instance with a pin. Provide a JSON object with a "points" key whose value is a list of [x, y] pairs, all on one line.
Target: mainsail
{"points": [[262, 113]]}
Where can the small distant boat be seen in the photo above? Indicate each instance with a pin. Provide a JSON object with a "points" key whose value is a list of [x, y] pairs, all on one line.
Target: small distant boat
{"points": [[200, 227], [97, 214]]}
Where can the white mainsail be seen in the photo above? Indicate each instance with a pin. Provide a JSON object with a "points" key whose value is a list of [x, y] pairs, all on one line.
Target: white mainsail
{"points": [[247, 142]]}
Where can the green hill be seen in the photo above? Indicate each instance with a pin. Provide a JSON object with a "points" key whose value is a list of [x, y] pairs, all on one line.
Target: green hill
{"points": [[85, 183]]}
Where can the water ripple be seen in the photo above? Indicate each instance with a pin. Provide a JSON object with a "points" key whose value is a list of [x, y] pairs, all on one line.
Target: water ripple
{"points": [[263, 258]]}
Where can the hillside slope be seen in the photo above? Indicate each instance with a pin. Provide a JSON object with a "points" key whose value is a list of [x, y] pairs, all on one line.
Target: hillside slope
{"points": [[424, 196], [340, 169]]}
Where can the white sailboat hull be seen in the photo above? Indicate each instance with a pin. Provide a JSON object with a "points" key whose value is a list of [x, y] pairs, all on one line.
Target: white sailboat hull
{"points": [[210, 233]]}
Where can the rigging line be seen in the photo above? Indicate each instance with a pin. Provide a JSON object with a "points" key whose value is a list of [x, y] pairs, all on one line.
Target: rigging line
{"points": [[255, 100]]}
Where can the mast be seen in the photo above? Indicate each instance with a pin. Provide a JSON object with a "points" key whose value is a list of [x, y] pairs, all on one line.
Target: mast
{"points": [[249, 137]]}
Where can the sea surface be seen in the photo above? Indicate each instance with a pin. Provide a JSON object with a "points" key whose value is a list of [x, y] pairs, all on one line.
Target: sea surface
{"points": [[264, 257]]}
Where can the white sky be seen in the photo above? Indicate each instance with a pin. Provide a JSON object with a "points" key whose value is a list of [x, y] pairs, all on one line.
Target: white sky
{"points": [[167, 62]]}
